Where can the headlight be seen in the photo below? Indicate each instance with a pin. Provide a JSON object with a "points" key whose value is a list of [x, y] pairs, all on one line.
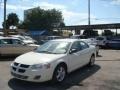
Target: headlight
{"points": [[37, 66], [40, 66]]}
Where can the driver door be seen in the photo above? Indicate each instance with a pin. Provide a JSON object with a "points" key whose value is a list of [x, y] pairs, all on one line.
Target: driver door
{"points": [[76, 57]]}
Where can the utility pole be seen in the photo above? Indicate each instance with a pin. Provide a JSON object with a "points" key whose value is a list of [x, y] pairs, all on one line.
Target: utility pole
{"points": [[89, 12], [4, 26]]}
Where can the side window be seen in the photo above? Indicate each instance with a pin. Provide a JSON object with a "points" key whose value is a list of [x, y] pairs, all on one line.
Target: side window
{"points": [[15, 41], [6, 41], [2, 42], [84, 45], [76, 46]]}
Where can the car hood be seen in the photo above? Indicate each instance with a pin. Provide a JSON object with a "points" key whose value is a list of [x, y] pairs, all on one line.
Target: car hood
{"points": [[31, 58]]}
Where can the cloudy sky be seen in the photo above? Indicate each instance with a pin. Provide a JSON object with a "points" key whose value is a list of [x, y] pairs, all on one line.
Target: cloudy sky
{"points": [[74, 11]]}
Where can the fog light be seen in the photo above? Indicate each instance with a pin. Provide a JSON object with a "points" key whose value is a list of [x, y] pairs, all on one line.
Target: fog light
{"points": [[37, 77]]}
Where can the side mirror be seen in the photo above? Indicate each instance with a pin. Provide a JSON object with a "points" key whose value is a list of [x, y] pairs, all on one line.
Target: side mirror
{"points": [[73, 51]]}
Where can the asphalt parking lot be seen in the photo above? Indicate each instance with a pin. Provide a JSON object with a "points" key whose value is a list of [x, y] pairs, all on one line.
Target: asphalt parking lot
{"points": [[105, 75]]}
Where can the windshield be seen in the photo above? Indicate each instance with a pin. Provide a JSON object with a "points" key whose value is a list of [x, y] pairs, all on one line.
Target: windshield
{"points": [[54, 47]]}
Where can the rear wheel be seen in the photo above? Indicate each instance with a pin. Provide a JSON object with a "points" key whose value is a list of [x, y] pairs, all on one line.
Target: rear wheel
{"points": [[92, 60], [59, 74]]}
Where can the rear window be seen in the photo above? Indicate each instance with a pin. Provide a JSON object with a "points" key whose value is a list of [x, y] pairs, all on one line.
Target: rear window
{"points": [[16, 41]]}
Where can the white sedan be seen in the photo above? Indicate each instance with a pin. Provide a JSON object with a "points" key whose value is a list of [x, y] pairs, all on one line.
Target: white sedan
{"points": [[53, 60]]}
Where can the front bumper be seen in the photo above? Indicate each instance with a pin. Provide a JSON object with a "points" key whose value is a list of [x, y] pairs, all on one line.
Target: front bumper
{"points": [[27, 74]]}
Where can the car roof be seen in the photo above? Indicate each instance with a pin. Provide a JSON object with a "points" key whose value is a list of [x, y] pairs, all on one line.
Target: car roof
{"points": [[67, 40]]}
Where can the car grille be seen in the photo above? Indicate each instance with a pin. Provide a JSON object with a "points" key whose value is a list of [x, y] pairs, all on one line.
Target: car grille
{"points": [[21, 68], [24, 66]]}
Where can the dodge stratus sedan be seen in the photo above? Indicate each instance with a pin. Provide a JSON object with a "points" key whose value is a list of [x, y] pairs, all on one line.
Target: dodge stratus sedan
{"points": [[53, 60]]}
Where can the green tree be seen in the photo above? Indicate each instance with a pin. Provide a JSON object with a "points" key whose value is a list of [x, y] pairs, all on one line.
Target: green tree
{"points": [[12, 20], [42, 19]]}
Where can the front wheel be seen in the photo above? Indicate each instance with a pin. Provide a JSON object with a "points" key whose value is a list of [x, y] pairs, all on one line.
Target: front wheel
{"points": [[92, 60], [59, 74]]}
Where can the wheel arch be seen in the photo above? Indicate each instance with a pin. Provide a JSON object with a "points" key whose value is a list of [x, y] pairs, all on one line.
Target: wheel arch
{"points": [[93, 54], [62, 63]]}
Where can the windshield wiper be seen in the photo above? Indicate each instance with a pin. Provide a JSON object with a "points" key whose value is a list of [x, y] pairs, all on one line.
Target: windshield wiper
{"points": [[48, 52], [45, 52]]}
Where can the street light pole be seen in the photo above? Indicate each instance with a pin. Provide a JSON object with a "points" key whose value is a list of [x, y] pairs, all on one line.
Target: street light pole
{"points": [[89, 12], [4, 26]]}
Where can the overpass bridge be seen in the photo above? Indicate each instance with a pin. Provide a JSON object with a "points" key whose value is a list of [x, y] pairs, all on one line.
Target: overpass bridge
{"points": [[77, 28]]}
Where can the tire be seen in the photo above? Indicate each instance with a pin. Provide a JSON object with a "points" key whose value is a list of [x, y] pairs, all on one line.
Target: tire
{"points": [[92, 61], [59, 74]]}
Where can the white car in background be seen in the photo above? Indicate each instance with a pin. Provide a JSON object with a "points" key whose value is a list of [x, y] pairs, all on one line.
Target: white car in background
{"points": [[25, 39], [53, 60], [92, 41], [14, 46], [102, 41]]}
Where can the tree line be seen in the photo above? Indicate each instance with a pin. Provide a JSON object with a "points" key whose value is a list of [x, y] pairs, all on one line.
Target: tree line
{"points": [[36, 19], [40, 19]]}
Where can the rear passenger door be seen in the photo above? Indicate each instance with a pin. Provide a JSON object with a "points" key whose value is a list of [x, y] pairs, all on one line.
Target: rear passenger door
{"points": [[85, 51], [17, 46], [77, 58], [21, 48]]}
